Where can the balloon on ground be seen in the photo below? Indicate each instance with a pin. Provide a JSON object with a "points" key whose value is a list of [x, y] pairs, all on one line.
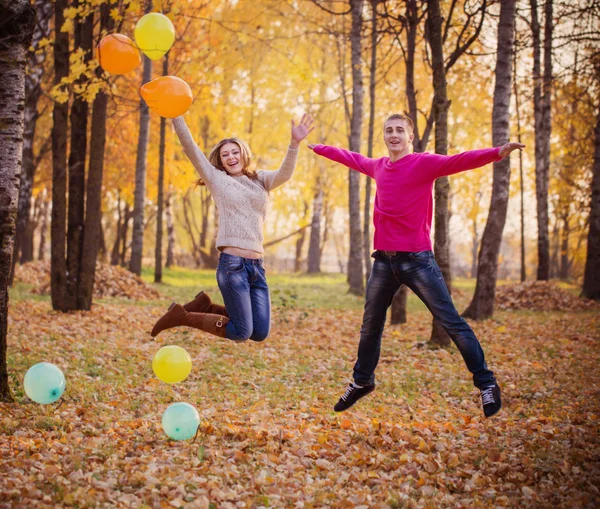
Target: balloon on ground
{"points": [[44, 383], [180, 421], [169, 96], [172, 364], [154, 35], [117, 54]]}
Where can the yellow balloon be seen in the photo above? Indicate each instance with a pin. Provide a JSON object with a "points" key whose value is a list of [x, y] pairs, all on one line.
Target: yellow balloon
{"points": [[169, 96], [172, 364], [154, 35]]}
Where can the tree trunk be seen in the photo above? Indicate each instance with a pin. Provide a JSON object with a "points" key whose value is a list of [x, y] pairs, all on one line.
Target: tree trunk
{"points": [[26, 240], [170, 231], [399, 312], [33, 91], [591, 278], [60, 117], [367, 243], [542, 103], [137, 236], [554, 249], [114, 256], [301, 239], [521, 182], [474, 248], [43, 228], [442, 185], [161, 183], [126, 218], [482, 305], [93, 207], [83, 33], [314, 247], [16, 30], [102, 253], [355, 259], [563, 272]]}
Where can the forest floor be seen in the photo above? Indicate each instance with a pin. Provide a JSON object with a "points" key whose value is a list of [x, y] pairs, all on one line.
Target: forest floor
{"points": [[268, 435]]}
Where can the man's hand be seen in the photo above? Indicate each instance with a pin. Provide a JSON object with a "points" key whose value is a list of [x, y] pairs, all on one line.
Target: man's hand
{"points": [[509, 147]]}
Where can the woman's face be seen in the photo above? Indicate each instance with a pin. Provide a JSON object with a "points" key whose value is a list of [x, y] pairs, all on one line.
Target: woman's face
{"points": [[231, 157]]}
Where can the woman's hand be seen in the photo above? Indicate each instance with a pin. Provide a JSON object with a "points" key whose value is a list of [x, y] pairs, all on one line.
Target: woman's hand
{"points": [[509, 147], [302, 130]]}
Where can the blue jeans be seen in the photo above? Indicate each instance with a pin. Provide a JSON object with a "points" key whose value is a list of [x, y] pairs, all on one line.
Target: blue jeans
{"points": [[245, 292], [421, 273]]}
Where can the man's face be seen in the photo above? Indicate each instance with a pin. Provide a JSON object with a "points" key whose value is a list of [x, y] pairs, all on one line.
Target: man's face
{"points": [[397, 135]]}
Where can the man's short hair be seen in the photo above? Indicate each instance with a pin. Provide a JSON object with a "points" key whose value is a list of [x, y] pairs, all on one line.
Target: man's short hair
{"points": [[399, 116]]}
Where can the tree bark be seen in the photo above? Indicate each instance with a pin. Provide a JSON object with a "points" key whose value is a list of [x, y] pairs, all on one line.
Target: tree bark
{"points": [[563, 271], [60, 117], [114, 256], [367, 242], [399, 312], [442, 185], [355, 273], [43, 228], [542, 88], [16, 30], [127, 214], [83, 33], [521, 181], [591, 278], [161, 183], [170, 231], [33, 91], [301, 239], [314, 247], [93, 207], [139, 197], [482, 304]]}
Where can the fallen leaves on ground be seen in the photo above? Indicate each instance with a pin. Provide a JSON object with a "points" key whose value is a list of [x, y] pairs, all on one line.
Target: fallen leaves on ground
{"points": [[540, 296], [109, 281], [268, 435]]}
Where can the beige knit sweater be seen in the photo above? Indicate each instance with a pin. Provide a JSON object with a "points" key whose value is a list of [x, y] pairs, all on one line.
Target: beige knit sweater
{"points": [[241, 201]]}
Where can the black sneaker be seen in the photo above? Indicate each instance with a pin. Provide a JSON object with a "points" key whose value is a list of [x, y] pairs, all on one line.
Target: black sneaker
{"points": [[490, 399], [352, 395]]}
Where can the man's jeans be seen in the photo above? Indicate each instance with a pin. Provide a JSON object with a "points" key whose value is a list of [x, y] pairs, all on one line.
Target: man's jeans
{"points": [[245, 292], [421, 273]]}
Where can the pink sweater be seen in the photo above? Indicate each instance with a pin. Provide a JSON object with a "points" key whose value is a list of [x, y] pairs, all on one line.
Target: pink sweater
{"points": [[404, 202]]}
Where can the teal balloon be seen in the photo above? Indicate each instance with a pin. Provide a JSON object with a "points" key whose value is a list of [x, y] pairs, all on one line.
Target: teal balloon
{"points": [[44, 383], [180, 421]]}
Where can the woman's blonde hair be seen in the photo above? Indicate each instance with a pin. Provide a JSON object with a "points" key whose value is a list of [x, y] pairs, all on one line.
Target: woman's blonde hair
{"points": [[215, 158]]}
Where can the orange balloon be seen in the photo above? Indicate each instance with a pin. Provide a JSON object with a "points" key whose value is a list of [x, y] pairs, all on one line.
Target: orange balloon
{"points": [[118, 54], [169, 96]]}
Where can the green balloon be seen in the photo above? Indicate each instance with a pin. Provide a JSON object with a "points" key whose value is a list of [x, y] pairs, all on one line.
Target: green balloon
{"points": [[44, 383], [180, 421]]}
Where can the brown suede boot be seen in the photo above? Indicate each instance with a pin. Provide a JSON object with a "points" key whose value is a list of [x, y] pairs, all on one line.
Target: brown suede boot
{"points": [[203, 304], [177, 315]]}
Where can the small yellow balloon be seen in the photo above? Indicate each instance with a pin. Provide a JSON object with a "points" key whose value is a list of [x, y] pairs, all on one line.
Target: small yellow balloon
{"points": [[172, 364], [169, 96], [154, 34]]}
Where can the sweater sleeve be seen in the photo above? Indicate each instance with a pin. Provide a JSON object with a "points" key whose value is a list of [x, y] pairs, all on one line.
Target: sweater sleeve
{"points": [[273, 179], [352, 160], [437, 165], [206, 170]]}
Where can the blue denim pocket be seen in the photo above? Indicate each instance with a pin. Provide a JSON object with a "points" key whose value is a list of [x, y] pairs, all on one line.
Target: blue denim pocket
{"points": [[421, 255]]}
